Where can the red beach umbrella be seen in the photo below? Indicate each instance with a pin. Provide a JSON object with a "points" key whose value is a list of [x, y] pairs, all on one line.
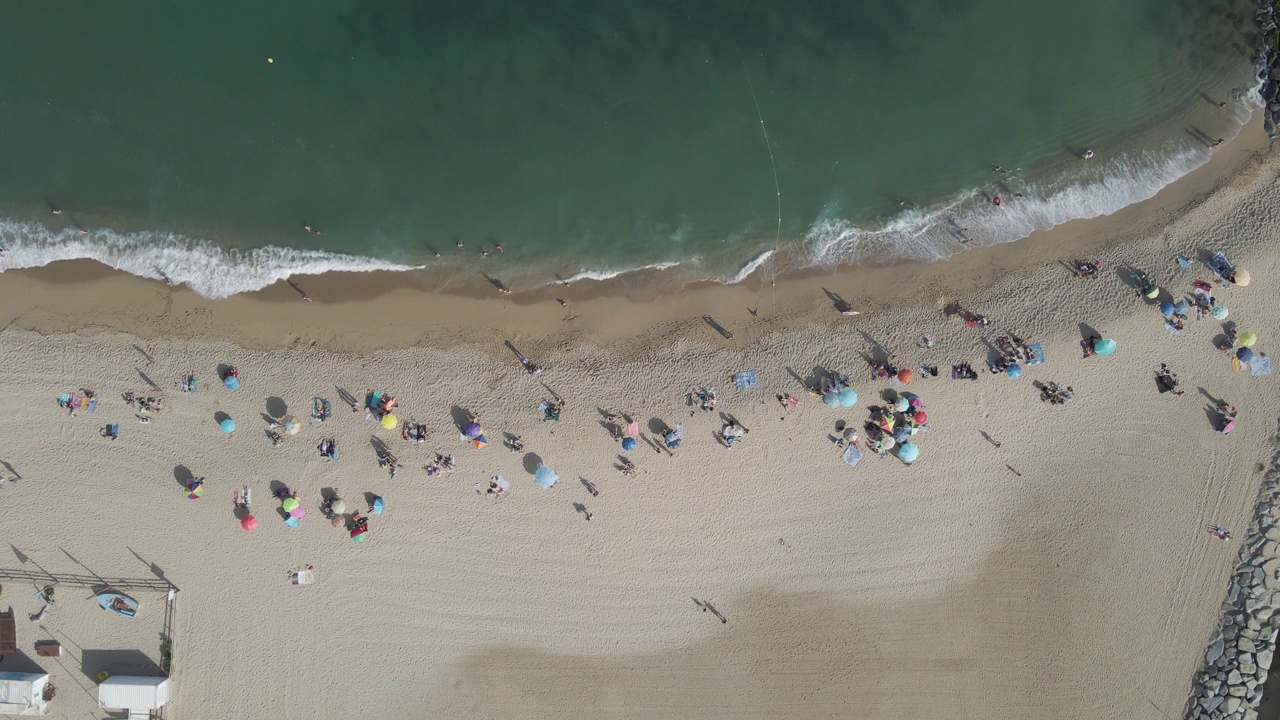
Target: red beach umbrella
{"points": [[249, 523]]}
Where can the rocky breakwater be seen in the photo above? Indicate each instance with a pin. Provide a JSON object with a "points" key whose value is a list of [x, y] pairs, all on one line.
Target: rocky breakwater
{"points": [[1230, 684], [1269, 65]]}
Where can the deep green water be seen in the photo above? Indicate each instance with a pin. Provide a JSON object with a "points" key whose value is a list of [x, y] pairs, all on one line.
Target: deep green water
{"points": [[588, 135]]}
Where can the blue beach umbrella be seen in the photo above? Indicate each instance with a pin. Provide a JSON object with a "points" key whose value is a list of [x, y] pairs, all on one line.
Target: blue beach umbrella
{"points": [[901, 433], [545, 477], [908, 452], [1244, 354], [232, 382], [831, 399], [1166, 308], [291, 521], [228, 425], [629, 443], [1219, 312], [1105, 346], [1182, 306], [848, 398], [901, 404], [1014, 371], [378, 506]]}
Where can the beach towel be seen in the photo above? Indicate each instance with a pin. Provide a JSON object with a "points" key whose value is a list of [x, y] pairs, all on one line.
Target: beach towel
{"points": [[745, 380], [1035, 354], [93, 404], [1183, 261], [851, 456], [1219, 265], [1260, 365], [1172, 330]]}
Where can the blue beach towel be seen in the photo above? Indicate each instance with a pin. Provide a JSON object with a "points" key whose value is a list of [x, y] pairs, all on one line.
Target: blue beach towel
{"points": [[1260, 365], [745, 380], [1036, 353], [1183, 261], [1172, 330]]}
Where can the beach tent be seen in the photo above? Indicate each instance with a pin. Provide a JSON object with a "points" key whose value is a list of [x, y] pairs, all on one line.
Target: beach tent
{"points": [[1248, 338], [1014, 371], [1219, 312], [133, 693], [1104, 346], [908, 452], [851, 456], [545, 477], [1167, 309], [848, 398], [23, 693], [745, 380], [290, 425], [831, 399], [389, 422], [228, 425]]}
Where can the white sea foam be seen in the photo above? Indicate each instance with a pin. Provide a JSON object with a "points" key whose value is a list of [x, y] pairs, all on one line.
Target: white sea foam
{"points": [[936, 233], [204, 267], [752, 266], [611, 274]]}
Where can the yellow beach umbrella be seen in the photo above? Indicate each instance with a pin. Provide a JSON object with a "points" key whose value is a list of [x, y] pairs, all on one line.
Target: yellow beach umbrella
{"points": [[1248, 338], [389, 421], [1242, 277]]}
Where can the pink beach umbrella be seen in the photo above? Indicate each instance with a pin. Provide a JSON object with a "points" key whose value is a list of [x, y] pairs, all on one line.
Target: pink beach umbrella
{"points": [[298, 512], [249, 523]]}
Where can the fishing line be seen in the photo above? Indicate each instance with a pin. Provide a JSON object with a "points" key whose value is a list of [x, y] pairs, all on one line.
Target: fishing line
{"points": [[777, 186]]}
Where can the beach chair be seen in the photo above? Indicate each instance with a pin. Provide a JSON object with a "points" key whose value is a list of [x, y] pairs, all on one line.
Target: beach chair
{"points": [[745, 380], [111, 431]]}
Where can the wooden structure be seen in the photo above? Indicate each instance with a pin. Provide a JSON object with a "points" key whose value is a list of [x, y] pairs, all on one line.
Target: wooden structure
{"points": [[8, 633]]}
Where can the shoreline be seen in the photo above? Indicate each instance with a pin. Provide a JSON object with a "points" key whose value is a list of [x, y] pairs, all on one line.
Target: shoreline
{"points": [[80, 295]]}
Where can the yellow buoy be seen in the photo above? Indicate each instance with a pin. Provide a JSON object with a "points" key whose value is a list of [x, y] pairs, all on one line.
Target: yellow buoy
{"points": [[270, 60]]}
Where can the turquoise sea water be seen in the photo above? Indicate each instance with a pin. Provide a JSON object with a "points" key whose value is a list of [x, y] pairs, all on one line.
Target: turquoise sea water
{"points": [[590, 137]]}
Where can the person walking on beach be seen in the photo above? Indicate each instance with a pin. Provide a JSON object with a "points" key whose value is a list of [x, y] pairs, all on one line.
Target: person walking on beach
{"points": [[1216, 143]]}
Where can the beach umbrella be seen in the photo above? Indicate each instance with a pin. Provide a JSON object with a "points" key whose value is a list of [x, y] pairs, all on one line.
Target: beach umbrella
{"points": [[921, 418], [290, 425], [289, 504], [479, 441], [1242, 277], [298, 512], [1231, 425], [633, 428], [1248, 338], [545, 477], [886, 423], [195, 490], [389, 422], [915, 401], [291, 521], [1153, 293], [337, 521], [848, 398], [1166, 308], [1104, 346], [232, 382], [831, 399], [228, 425], [901, 403], [473, 430], [249, 523], [1014, 371], [628, 443], [904, 376], [1244, 354], [378, 506], [359, 535], [901, 433], [908, 452], [1219, 312], [1182, 306], [887, 443], [338, 506]]}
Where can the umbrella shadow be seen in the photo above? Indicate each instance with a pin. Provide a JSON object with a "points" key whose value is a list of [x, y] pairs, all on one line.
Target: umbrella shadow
{"points": [[1211, 398], [222, 370], [154, 568], [512, 347], [554, 395], [889, 395], [183, 475], [993, 353], [1215, 417], [369, 497], [658, 427], [531, 462], [268, 418], [148, 380], [461, 416], [792, 372], [9, 467], [1088, 333], [276, 408]]}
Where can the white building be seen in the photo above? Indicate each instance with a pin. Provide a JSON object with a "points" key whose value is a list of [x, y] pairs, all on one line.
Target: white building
{"points": [[23, 693], [135, 693]]}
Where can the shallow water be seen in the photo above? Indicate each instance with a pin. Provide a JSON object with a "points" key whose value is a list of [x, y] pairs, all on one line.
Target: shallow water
{"points": [[595, 136]]}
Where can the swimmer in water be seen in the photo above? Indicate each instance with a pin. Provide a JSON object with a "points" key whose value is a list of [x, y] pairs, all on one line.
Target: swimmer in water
{"points": [[1086, 155], [497, 246]]}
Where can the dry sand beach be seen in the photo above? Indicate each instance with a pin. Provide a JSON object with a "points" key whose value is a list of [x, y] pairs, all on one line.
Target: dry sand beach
{"points": [[1066, 573]]}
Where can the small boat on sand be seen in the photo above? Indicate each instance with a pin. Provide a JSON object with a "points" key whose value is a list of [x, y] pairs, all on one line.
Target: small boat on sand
{"points": [[118, 603]]}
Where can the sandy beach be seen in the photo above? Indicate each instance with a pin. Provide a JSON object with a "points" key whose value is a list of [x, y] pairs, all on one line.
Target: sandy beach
{"points": [[1065, 572]]}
